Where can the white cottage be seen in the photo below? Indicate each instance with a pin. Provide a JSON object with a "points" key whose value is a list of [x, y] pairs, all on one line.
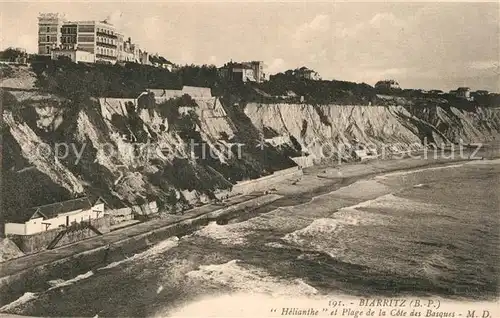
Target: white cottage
{"points": [[55, 215]]}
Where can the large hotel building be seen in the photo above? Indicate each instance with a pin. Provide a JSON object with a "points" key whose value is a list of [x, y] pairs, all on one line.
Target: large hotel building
{"points": [[85, 41]]}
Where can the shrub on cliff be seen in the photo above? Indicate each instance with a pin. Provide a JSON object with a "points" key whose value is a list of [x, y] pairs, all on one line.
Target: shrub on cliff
{"points": [[320, 91], [79, 80]]}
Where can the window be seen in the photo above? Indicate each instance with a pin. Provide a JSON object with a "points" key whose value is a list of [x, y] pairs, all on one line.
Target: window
{"points": [[47, 49], [86, 28], [48, 29], [48, 39]]}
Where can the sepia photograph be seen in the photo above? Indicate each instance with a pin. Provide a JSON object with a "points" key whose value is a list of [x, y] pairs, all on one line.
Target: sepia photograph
{"points": [[250, 159]]}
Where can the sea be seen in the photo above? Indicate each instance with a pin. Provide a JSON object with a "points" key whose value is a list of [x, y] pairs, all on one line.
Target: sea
{"points": [[428, 232]]}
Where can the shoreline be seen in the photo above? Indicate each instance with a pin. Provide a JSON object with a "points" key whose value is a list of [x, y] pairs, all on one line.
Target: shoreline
{"points": [[30, 273], [316, 180]]}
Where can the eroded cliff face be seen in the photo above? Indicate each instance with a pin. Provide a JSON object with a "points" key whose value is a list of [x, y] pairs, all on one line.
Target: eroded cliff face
{"points": [[479, 125], [55, 149], [327, 131]]}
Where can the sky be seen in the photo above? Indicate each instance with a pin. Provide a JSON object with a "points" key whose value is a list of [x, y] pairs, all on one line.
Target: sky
{"points": [[421, 45]]}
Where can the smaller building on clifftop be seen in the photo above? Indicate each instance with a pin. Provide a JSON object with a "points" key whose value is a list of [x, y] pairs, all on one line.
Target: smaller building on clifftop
{"points": [[387, 85], [243, 72]]}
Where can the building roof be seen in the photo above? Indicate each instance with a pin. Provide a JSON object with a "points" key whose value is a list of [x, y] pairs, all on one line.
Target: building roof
{"points": [[304, 69], [159, 59], [242, 66], [232, 65], [53, 209], [195, 91]]}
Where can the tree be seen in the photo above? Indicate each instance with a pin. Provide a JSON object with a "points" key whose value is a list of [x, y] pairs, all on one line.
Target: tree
{"points": [[11, 54]]}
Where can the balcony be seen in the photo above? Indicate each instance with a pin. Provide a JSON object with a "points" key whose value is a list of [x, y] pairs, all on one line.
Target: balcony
{"points": [[107, 45], [111, 36], [104, 56]]}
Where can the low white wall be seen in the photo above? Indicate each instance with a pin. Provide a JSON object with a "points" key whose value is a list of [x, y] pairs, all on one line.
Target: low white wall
{"points": [[34, 226], [38, 225], [15, 228], [304, 161]]}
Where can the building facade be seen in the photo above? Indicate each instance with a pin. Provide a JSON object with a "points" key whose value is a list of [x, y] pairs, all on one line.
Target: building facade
{"points": [[99, 38], [49, 32], [306, 73], [56, 215], [244, 72], [75, 55], [464, 93]]}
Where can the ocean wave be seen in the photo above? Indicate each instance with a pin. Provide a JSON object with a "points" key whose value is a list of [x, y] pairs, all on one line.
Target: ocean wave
{"points": [[421, 185], [373, 202], [406, 172], [336, 234], [436, 266], [56, 283], [26, 297], [246, 278], [362, 189], [391, 202], [321, 236], [156, 249], [230, 234]]}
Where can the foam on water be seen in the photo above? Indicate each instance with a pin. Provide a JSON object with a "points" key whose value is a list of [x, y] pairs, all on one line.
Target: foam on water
{"points": [[420, 185], [245, 278], [402, 173], [362, 189], [348, 235], [433, 264], [392, 202], [156, 249], [368, 203], [61, 283], [230, 234], [325, 234], [21, 300]]}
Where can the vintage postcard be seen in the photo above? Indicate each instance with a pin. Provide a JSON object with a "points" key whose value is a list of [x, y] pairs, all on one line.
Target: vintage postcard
{"points": [[250, 159]]}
